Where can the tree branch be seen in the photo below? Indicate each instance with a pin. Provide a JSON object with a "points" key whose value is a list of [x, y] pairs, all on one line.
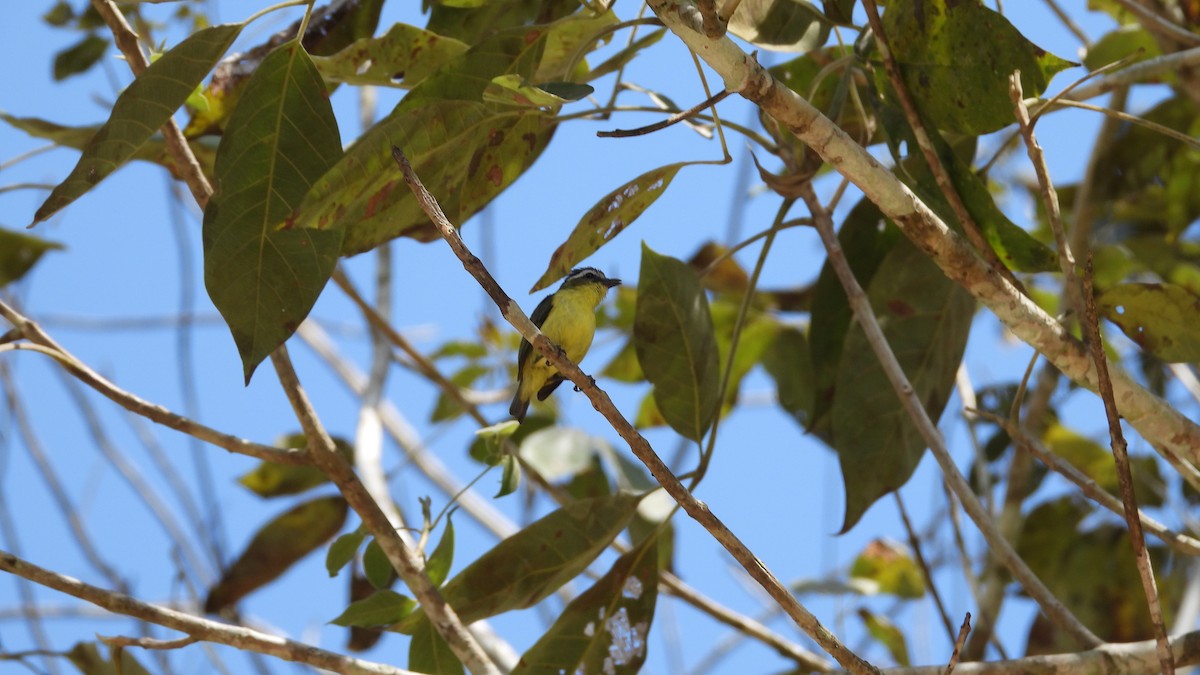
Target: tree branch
{"points": [[43, 343], [410, 568], [197, 627], [1153, 418], [641, 448], [1001, 548]]}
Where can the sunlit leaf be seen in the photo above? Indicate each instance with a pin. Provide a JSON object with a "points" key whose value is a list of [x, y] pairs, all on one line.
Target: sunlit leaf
{"points": [[271, 479], [1097, 463], [890, 566], [1160, 318], [402, 57], [510, 476], [887, 633], [276, 547], [465, 151], [437, 567], [377, 567], [605, 629], [145, 105], [533, 563], [382, 608], [343, 550], [19, 253], [1124, 42], [557, 453], [676, 344], [780, 25], [429, 653], [86, 657], [281, 138], [960, 81], [153, 150], [608, 218]]}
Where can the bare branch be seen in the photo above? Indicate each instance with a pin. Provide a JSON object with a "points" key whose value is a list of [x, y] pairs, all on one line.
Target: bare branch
{"points": [[1001, 548], [410, 568], [1154, 419], [197, 627], [695, 508], [155, 413]]}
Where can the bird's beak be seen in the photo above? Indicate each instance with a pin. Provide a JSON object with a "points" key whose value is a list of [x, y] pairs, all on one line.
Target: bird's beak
{"points": [[609, 283]]}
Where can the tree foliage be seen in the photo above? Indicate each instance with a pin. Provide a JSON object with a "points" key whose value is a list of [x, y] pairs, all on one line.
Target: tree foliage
{"points": [[927, 212]]}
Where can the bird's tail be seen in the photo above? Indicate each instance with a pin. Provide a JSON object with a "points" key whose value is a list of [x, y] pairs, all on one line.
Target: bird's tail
{"points": [[519, 406]]}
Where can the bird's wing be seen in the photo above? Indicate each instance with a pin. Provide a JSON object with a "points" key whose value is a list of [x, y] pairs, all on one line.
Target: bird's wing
{"points": [[538, 318]]}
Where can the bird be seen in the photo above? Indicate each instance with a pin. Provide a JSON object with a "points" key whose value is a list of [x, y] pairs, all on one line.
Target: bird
{"points": [[568, 318]]}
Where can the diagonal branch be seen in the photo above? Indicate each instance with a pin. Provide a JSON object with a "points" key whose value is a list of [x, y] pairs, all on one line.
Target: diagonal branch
{"points": [[1153, 418], [197, 627], [640, 447], [1001, 548], [410, 568]]}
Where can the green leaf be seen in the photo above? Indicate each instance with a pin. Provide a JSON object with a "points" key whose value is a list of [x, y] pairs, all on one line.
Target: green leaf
{"points": [[488, 446], [377, 567], [271, 479], [887, 633], [276, 547], [447, 408], [1160, 318], [438, 565], [141, 110], [513, 90], [1018, 249], [342, 551], [528, 566], [1097, 463], [865, 244], [788, 362], [382, 608], [465, 151], [1124, 42], [557, 453], [86, 657], [281, 137], [153, 150], [510, 476], [958, 79], [605, 629], [890, 568], [925, 318], [757, 334], [608, 218], [620, 59], [59, 15], [676, 345], [402, 57], [780, 25], [19, 253], [429, 653], [79, 57]]}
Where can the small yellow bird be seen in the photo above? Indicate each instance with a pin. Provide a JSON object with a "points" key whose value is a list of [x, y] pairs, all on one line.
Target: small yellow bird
{"points": [[568, 318]]}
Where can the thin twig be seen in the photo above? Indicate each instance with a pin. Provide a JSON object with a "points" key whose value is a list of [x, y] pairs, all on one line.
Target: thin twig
{"points": [[1156, 421], [963, 631], [944, 182], [1001, 548], [197, 627], [699, 511], [1138, 73], [915, 543], [1125, 476], [1157, 24], [43, 343], [1178, 541], [1049, 197], [673, 119], [410, 568], [146, 643]]}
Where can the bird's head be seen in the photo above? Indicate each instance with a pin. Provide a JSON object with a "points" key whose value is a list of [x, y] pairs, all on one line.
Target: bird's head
{"points": [[581, 277]]}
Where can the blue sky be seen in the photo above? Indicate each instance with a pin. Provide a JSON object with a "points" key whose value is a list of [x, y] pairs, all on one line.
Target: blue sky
{"points": [[133, 251]]}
